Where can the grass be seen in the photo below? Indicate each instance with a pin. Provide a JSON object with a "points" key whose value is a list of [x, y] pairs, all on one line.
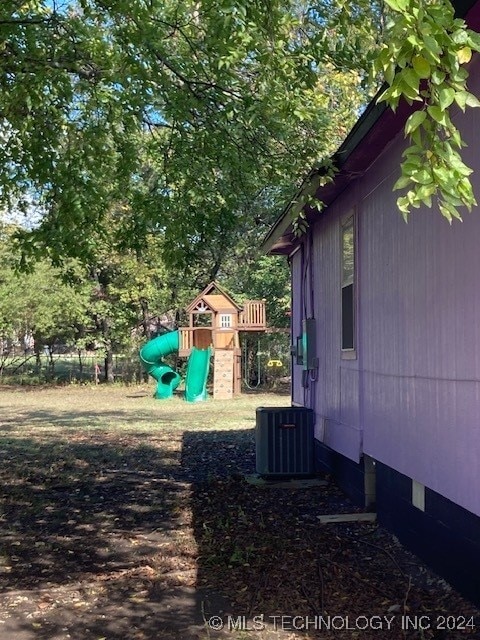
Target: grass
{"points": [[95, 507], [119, 408]]}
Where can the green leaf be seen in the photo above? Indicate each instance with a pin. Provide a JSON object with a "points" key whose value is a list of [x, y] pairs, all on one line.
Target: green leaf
{"points": [[425, 191], [437, 114], [390, 73], [457, 139], [461, 99], [403, 206], [401, 183], [432, 46], [472, 101], [410, 92], [397, 5], [445, 212], [474, 40], [464, 55], [421, 66], [414, 40], [417, 137], [446, 96], [466, 192], [438, 76], [442, 174], [413, 150], [414, 121], [411, 78], [449, 211], [422, 177]]}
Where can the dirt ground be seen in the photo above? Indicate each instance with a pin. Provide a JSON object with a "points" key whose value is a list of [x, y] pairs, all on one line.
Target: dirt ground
{"points": [[125, 518]]}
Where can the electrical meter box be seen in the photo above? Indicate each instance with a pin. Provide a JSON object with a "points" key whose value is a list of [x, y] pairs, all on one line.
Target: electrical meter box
{"points": [[309, 344]]}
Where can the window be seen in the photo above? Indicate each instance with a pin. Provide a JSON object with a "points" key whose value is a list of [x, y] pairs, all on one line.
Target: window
{"points": [[348, 285], [225, 321]]}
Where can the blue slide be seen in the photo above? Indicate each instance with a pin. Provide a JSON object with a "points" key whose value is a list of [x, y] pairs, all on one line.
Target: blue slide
{"points": [[151, 355]]}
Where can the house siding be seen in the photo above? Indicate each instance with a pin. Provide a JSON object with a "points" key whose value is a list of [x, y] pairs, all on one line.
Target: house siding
{"points": [[420, 344], [420, 333], [336, 387], [411, 398]]}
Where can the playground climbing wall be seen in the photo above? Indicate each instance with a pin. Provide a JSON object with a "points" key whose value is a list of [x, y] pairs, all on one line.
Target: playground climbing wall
{"points": [[224, 362]]}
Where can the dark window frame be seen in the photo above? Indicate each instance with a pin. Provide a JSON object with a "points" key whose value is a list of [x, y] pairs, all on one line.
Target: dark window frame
{"points": [[348, 272]]}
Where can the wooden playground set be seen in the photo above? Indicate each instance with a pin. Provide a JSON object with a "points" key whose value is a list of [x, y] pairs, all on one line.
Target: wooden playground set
{"points": [[215, 324]]}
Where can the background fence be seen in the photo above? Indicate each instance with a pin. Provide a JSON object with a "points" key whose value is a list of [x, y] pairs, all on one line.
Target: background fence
{"points": [[265, 365]]}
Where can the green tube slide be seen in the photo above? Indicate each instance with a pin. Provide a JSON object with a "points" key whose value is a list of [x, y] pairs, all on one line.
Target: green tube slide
{"points": [[151, 355], [197, 375]]}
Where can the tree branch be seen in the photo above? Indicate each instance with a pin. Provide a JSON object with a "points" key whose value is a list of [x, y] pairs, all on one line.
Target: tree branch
{"points": [[24, 21]]}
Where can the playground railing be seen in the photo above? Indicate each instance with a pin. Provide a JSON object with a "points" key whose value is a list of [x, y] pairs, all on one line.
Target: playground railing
{"points": [[185, 339], [253, 316]]}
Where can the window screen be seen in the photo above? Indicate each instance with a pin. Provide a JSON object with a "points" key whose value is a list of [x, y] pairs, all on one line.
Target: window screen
{"points": [[348, 282]]}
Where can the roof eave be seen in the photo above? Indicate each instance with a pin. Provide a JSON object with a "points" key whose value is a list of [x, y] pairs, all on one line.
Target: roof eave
{"points": [[281, 239]]}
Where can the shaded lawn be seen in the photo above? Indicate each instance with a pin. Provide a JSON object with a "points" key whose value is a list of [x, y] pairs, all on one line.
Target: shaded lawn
{"points": [[127, 518], [95, 510]]}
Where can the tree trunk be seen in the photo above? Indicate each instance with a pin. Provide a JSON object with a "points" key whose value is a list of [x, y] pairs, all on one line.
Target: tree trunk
{"points": [[38, 358], [107, 343], [146, 332], [80, 364], [102, 279], [109, 369], [51, 361]]}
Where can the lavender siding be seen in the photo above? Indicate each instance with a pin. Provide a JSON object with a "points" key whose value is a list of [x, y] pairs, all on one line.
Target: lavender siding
{"points": [[336, 393], [411, 399], [420, 336]]}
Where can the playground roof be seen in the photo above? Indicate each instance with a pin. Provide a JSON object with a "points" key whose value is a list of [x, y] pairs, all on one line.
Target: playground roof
{"points": [[219, 301]]}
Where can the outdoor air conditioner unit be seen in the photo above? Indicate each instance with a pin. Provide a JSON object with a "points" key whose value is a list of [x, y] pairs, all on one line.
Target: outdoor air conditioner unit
{"points": [[284, 438]]}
